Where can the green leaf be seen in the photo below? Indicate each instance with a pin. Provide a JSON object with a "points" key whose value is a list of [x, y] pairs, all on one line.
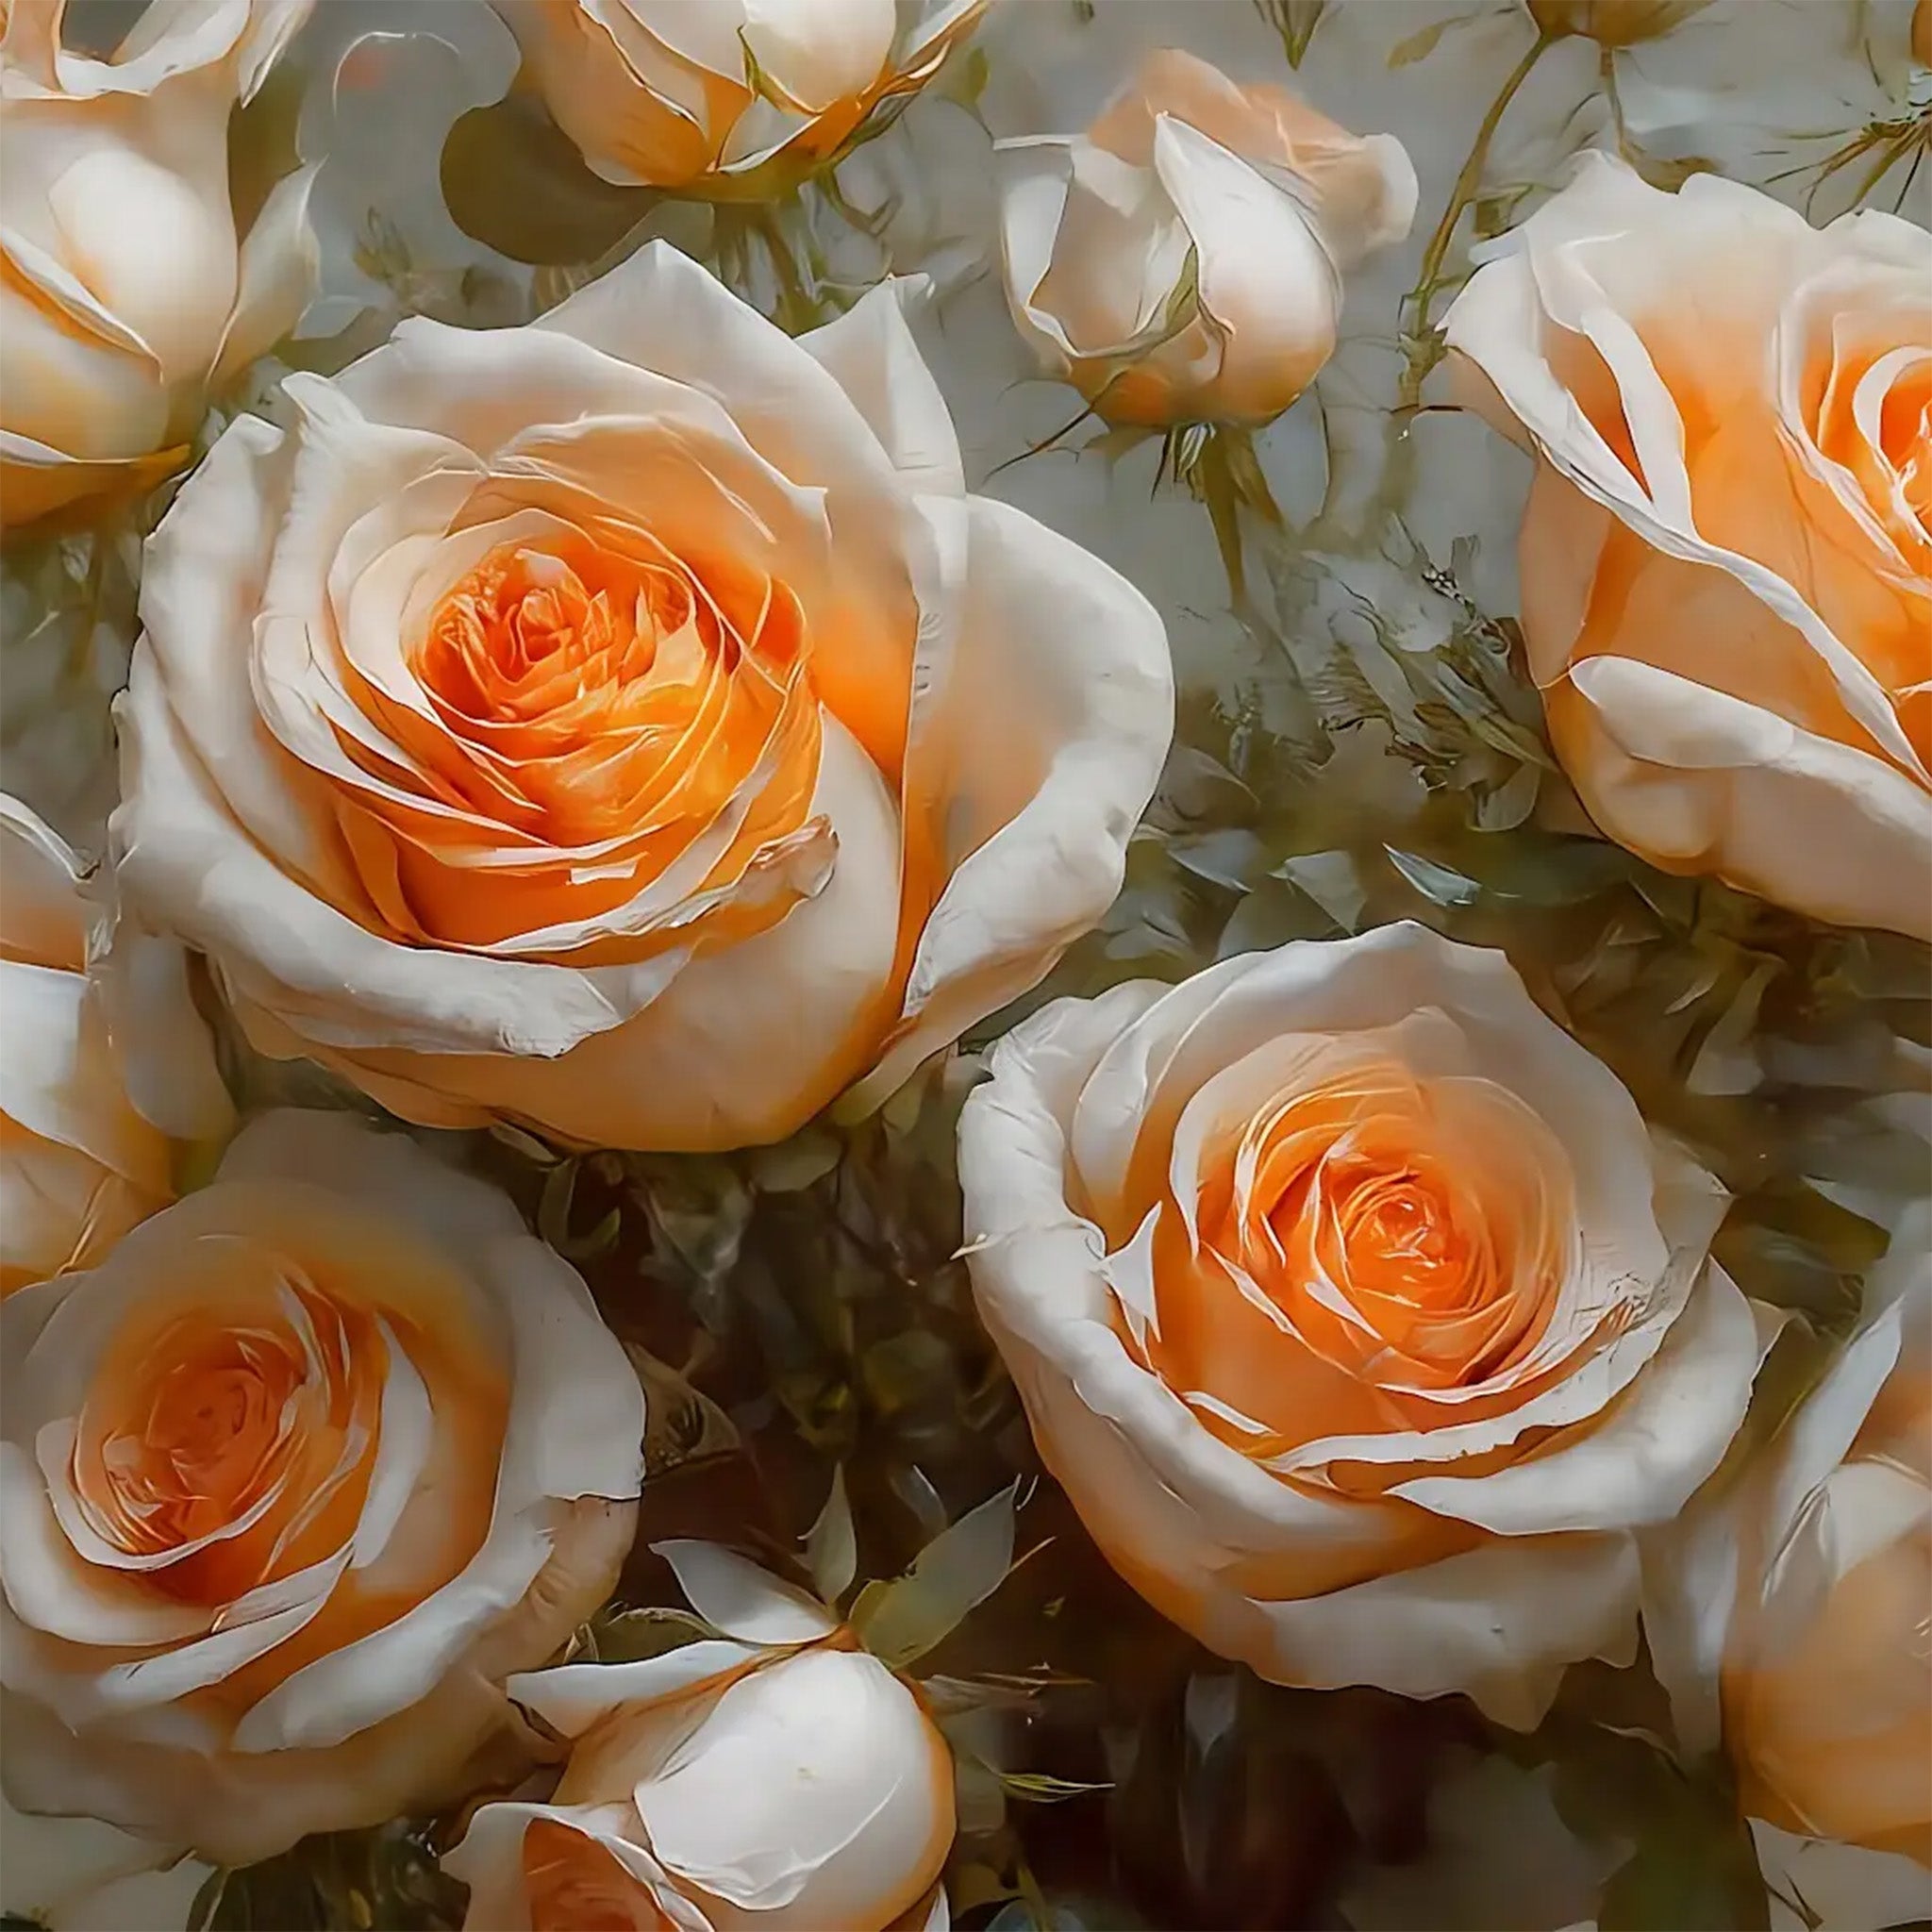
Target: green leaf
{"points": [[1419, 46], [1436, 883], [901, 1621]]}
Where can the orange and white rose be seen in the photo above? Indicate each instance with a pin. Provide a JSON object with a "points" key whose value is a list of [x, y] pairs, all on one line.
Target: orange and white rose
{"points": [[627, 723], [769, 1778], [1786, 1614], [124, 295], [289, 1485], [1182, 261], [81, 1162], [728, 99], [1355, 1310], [1726, 560]]}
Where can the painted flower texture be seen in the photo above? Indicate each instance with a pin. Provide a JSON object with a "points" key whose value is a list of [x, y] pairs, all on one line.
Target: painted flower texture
{"points": [[965, 962], [1357, 1311], [1182, 261], [291, 1482], [126, 297], [769, 1778], [728, 99], [627, 724], [1727, 555]]}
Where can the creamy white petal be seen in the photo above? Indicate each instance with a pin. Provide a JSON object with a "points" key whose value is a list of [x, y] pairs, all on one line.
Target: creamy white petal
{"points": [[1058, 718]]}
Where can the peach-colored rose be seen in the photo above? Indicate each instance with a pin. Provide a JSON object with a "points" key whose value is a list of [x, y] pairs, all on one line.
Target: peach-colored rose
{"points": [[79, 1163], [1726, 560], [626, 724], [1355, 1310], [769, 1778], [1183, 259], [124, 297], [289, 1485], [1787, 1613], [727, 99]]}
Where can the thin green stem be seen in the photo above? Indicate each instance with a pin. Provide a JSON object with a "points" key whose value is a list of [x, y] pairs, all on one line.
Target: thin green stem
{"points": [[1461, 195]]}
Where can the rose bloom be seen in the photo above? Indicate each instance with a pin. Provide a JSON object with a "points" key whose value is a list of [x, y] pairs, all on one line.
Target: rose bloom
{"points": [[1182, 261], [626, 724], [125, 297], [771, 1778], [1727, 562], [289, 1485], [1355, 1310], [728, 99], [80, 1164], [1786, 1615]]}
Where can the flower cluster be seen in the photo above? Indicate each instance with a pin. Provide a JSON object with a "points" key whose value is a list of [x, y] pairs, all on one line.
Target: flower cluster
{"points": [[627, 731]]}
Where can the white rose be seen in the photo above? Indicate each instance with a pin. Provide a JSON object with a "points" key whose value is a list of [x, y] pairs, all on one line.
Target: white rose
{"points": [[730, 99], [626, 724], [767, 1778], [1355, 1310], [1182, 261], [128, 298], [289, 1485]]}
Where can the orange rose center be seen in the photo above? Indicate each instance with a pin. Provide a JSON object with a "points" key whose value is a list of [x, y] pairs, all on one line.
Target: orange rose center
{"points": [[234, 1454], [597, 715], [1372, 1237]]}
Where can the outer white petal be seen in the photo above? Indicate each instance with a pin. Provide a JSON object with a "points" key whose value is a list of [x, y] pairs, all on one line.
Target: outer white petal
{"points": [[1054, 725], [732, 1594], [76, 1874], [44, 917], [871, 352], [1267, 285], [279, 263], [820, 52], [1818, 1885], [571, 1698], [1693, 776], [815, 1792]]}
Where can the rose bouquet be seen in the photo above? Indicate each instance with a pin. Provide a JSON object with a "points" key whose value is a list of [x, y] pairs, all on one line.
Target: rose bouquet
{"points": [[772, 1157]]}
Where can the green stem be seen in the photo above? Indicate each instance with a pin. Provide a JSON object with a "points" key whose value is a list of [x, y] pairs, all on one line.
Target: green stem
{"points": [[1461, 195]]}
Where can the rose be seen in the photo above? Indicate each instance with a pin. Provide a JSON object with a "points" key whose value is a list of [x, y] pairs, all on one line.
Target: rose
{"points": [[79, 1165], [626, 724], [768, 1775], [289, 1485], [1786, 1614], [1727, 566], [732, 99], [126, 298], [1355, 1310], [1182, 261]]}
